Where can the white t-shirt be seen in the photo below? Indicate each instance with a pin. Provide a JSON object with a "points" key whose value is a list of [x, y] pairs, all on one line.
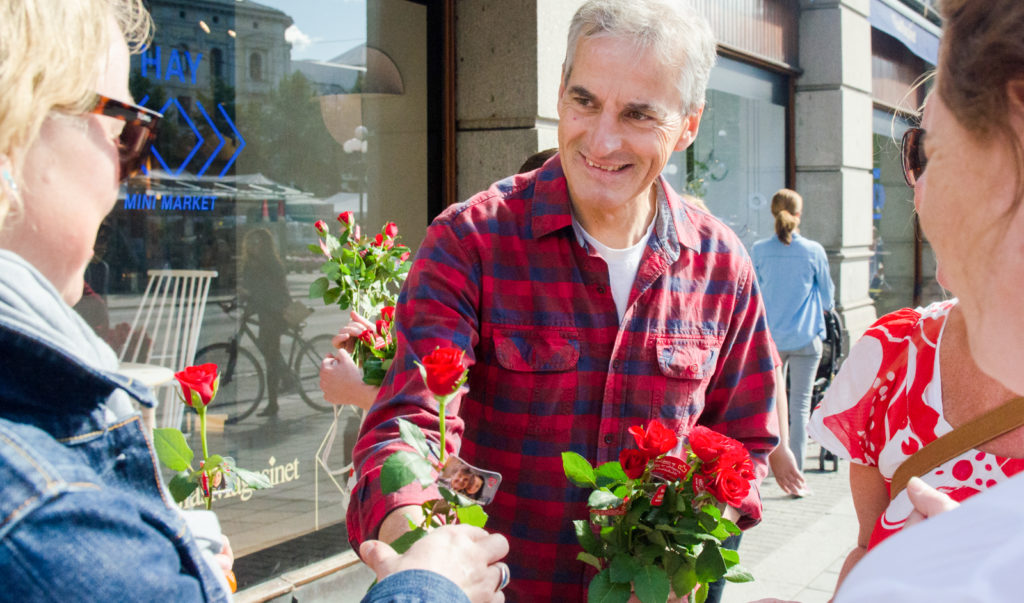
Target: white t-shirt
{"points": [[622, 263], [973, 553]]}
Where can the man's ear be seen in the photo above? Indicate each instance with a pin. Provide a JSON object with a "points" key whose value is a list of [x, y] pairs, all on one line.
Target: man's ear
{"points": [[691, 126], [1015, 104], [561, 82]]}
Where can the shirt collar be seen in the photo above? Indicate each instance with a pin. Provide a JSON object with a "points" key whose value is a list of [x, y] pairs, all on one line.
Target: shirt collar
{"points": [[552, 211]]}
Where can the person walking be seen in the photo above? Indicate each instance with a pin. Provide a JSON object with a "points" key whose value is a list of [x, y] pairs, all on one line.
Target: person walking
{"points": [[797, 288]]}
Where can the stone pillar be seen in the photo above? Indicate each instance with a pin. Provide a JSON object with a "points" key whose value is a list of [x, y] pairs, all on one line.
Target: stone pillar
{"points": [[510, 56], [834, 146]]}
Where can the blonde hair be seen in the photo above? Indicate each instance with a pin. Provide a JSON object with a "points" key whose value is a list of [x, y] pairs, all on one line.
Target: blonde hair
{"points": [[786, 207], [51, 56]]}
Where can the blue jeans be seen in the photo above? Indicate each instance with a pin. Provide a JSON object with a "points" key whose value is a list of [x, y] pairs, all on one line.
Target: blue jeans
{"points": [[802, 366]]}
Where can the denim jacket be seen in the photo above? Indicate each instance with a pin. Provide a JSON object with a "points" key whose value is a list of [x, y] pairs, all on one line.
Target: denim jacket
{"points": [[83, 511]]}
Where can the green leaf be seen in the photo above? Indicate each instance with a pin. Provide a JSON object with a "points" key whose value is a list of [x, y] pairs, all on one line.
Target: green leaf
{"points": [[731, 557], [738, 573], [610, 473], [587, 539], [402, 468], [710, 564], [702, 593], [651, 584], [729, 526], [603, 499], [318, 287], [315, 249], [214, 461], [413, 436], [172, 449], [332, 295], [603, 590], [256, 481], [181, 487], [685, 577], [623, 568], [403, 542], [455, 499], [578, 469], [474, 515], [589, 560]]}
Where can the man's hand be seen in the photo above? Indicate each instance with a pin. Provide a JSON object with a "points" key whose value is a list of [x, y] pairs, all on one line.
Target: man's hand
{"points": [[466, 555], [928, 502], [341, 381], [397, 522], [786, 473]]}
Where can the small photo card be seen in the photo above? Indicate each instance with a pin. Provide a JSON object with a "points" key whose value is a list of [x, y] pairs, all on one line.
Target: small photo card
{"points": [[472, 482]]}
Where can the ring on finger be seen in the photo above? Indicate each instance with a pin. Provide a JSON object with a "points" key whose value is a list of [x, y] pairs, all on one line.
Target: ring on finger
{"points": [[505, 576]]}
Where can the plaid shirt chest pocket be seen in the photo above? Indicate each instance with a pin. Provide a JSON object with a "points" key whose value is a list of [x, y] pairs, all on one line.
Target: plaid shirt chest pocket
{"points": [[687, 365], [532, 380]]}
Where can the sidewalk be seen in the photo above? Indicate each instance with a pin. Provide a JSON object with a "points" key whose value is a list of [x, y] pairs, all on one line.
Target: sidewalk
{"points": [[795, 554]]}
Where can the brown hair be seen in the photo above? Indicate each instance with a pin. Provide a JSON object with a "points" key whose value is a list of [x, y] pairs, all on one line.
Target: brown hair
{"points": [[786, 204], [981, 52]]}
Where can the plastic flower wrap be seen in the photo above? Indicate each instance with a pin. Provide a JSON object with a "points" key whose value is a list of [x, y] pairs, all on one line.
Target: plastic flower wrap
{"points": [[656, 525], [363, 274]]}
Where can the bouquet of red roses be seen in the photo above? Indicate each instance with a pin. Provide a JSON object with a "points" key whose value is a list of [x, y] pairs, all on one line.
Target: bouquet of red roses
{"points": [[363, 274], [656, 525]]}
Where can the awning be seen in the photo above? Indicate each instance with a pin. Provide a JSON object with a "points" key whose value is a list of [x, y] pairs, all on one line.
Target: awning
{"points": [[916, 38]]}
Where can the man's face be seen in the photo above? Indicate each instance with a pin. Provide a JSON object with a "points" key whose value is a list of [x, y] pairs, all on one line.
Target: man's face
{"points": [[620, 119]]}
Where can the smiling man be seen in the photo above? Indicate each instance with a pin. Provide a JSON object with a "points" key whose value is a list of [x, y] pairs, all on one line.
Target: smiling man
{"points": [[589, 298]]}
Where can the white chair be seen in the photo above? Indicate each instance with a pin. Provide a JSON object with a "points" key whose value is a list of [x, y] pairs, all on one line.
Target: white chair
{"points": [[169, 316]]}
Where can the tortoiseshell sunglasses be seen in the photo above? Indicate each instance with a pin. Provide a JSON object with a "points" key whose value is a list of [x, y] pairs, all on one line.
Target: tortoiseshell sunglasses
{"points": [[140, 127]]}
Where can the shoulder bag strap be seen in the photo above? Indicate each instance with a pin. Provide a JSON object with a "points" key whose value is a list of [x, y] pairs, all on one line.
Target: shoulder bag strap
{"points": [[979, 430]]}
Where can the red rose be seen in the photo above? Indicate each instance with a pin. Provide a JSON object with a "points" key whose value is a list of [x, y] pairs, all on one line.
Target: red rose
{"points": [[200, 379], [368, 338], [320, 226], [378, 240], [443, 370], [633, 462], [729, 487], [382, 327], [391, 230], [708, 444], [388, 313], [345, 218], [404, 256], [657, 440]]}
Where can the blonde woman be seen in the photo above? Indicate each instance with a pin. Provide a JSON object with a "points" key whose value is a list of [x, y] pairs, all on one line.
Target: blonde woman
{"points": [[794, 277]]}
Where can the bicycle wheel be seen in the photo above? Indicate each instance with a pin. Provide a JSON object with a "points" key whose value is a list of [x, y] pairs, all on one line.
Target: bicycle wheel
{"points": [[241, 381], [306, 366]]}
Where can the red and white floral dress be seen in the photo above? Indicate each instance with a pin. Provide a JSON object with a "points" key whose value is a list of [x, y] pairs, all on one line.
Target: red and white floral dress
{"points": [[886, 403]]}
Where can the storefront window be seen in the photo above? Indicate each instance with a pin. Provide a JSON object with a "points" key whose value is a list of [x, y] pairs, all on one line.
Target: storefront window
{"points": [[738, 160], [278, 113]]}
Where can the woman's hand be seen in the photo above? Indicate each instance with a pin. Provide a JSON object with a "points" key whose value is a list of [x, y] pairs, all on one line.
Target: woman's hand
{"points": [[348, 334], [466, 555], [341, 381], [928, 502], [787, 474]]}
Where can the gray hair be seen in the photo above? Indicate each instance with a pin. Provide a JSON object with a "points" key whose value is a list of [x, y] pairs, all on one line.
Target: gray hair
{"points": [[680, 38]]}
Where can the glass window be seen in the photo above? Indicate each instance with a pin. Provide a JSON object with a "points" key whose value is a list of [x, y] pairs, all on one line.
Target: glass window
{"points": [[738, 160], [258, 145]]}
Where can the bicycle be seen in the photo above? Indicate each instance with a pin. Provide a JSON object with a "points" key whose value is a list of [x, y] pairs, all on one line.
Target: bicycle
{"points": [[242, 376]]}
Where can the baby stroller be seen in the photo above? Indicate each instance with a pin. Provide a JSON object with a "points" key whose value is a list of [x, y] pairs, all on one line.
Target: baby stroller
{"points": [[831, 354]]}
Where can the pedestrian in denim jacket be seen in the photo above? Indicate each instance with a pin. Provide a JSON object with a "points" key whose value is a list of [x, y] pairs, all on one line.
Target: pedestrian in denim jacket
{"points": [[83, 512]]}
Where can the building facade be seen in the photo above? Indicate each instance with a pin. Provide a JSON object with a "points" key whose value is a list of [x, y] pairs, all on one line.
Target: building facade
{"points": [[282, 112]]}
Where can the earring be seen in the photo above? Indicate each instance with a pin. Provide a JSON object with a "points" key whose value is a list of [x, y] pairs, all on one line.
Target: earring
{"points": [[11, 184]]}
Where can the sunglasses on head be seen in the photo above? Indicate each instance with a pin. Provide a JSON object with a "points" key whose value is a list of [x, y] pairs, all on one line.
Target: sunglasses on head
{"points": [[914, 158], [140, 127]]}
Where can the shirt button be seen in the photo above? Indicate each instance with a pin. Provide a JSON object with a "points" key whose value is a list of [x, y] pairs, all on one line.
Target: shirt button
{"points": [[608, 439], [601, 289], [616, 364]]}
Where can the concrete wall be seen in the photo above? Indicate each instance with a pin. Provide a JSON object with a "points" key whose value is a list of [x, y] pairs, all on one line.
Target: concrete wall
{"points": [[834, 146]]}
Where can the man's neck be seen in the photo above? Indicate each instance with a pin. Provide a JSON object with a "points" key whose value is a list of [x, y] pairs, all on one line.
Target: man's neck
{"points": [[622, 226]]}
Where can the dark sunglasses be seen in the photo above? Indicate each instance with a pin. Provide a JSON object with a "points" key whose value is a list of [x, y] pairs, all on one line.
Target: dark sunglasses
{"points": [[914, 158], [140, 127]]}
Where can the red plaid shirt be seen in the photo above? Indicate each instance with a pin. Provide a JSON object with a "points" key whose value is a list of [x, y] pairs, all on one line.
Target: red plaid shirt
{"points": [[504, 277]]}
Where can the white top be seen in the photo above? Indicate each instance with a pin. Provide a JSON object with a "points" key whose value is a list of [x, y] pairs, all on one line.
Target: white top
{"points": [[622, 263], [973, 553]]}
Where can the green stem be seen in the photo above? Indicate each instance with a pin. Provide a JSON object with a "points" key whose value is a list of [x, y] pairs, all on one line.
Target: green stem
{"points": [[442, 402], [206, 455]]}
